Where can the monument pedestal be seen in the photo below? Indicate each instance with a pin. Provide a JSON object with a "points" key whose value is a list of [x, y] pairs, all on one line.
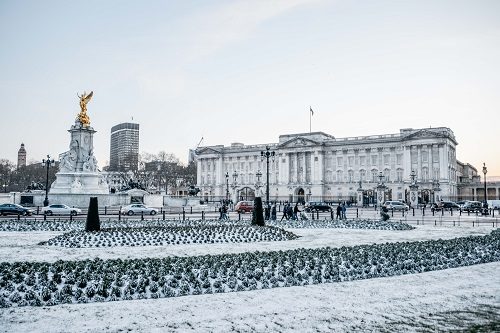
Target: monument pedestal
{"points": [[78, 172]]}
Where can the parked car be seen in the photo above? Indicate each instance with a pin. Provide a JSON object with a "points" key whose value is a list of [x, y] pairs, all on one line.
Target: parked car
{"points": [[138, 209], [446, 205], [318, 206], [15, 209], [396, 205], [461, 203], [244, 207], [59, 209], [472, 206]]}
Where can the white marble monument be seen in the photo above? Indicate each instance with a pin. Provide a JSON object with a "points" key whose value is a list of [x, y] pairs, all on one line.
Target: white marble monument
{"points": [[78, 173]]}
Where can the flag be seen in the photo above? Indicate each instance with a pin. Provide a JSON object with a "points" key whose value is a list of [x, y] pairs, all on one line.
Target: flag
{"points": [[312, 112]]}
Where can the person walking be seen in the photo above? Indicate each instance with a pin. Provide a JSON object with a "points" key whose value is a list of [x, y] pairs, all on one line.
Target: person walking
{"points": [[273, 212], [339, 212], [285, 212], [296, 211], [343, 211]]}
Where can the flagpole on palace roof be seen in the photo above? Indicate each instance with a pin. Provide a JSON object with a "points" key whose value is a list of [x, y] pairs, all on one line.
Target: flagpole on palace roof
{"points": [[311, 113]]}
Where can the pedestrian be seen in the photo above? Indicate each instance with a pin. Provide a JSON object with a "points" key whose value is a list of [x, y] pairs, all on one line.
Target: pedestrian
{"points": [[224, 213], [273, 212], [296, 211], [285, 212], [339, 212], [343, 211]]}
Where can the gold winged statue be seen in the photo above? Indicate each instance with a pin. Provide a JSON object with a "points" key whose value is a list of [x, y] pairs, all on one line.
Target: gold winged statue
{"points": [[83, 118]]}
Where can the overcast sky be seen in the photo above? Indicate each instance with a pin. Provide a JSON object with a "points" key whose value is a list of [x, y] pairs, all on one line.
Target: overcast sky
{"points": [[247, 71]]}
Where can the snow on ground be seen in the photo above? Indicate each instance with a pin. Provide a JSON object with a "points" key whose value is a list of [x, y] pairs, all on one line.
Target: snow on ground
{"points": [[439, 300], [406, 303], [23, 246]]}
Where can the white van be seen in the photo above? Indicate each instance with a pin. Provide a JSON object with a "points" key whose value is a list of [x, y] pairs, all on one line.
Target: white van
{"points": [[493, 204]]}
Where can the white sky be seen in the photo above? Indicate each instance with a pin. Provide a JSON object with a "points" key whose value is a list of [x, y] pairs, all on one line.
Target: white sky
{"points": [[247, 71]]}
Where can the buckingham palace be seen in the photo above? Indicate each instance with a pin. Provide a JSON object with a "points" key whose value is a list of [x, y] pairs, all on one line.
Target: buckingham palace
{"points": [[319, 167]]}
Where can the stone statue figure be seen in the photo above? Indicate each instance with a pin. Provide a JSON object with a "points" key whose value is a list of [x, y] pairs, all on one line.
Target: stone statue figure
{"points": [[90, 164], [83, 118]]}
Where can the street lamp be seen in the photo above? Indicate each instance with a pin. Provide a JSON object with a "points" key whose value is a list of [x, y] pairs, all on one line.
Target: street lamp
{"points": [[47, 163], [235, 183], [227, 186], [267, 154], [258, 183], [485, 170]]}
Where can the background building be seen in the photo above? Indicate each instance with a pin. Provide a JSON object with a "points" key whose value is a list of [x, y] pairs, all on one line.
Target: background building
{"points": [[124, 150], [21, 157], [318, 166]]}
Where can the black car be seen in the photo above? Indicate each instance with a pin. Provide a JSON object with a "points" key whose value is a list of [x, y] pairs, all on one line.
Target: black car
{"points": [[318, 206], [15, 209], [446, 205]]}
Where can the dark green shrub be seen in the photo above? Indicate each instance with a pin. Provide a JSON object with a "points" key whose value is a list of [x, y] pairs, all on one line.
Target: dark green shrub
{"points": [[93, 223], [257, 214]]}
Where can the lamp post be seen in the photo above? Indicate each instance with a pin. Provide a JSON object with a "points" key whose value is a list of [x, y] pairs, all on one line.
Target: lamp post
{"points": [[266, 154], [227, 186], [485, 170], [47, 163], [235, 184], [258, 183]]}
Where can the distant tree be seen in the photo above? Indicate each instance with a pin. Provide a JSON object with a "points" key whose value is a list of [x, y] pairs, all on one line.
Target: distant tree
{"points": [[20, 179]]}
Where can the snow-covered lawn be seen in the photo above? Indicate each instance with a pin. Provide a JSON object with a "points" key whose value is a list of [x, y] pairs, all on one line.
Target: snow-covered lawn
{"points": [[394, 303]]}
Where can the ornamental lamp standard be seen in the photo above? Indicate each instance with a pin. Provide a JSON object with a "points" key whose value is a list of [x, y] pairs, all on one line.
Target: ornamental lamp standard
{"points": [[235, 183], [258, 183], [227, 186], [485, 170], [47, 163], [267, 154]]}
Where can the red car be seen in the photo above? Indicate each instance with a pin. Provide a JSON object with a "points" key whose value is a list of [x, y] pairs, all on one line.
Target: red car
{"points": [[244, 207]]}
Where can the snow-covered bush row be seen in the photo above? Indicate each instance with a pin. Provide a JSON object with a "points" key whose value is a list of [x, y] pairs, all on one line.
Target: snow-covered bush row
{"points": [[347, 224], [145, 236], [40, 283], [67, 225]]}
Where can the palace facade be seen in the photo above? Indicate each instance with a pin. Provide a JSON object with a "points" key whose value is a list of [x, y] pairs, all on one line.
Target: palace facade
{"points": [[319, 167]]}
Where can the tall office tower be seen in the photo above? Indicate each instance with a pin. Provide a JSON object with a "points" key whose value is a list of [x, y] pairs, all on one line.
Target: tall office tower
{"points": [[21, 156], [124, 150]]}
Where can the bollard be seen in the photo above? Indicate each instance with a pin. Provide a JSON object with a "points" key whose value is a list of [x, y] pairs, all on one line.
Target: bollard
{"points": [[434, 222], [453, 222], [71, 217], [163, 215], [432, 210], [442, 211], [191, 212], [18, 216], [202, 215], [239, 216], [105, 210], [423, 211], [161, 209], [119, 215], [142, 216], [472, 222], [37, 210], [460, 212], [312, 215], [45, 217], [357, 213], [317, 215], [413, 209], [183, 214], [392, 212], [493, 213], [468, 212], [451, 211], [403, 212]]}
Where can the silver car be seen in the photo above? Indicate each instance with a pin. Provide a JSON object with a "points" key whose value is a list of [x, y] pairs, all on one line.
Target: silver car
{"points": [[138, 209], [58, 209], [396, 205]]}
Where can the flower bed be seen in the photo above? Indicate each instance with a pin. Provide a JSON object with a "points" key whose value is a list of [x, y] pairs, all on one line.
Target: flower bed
{"points": [[169, 235], [67, 225], [39, 283], [347, 224]]}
